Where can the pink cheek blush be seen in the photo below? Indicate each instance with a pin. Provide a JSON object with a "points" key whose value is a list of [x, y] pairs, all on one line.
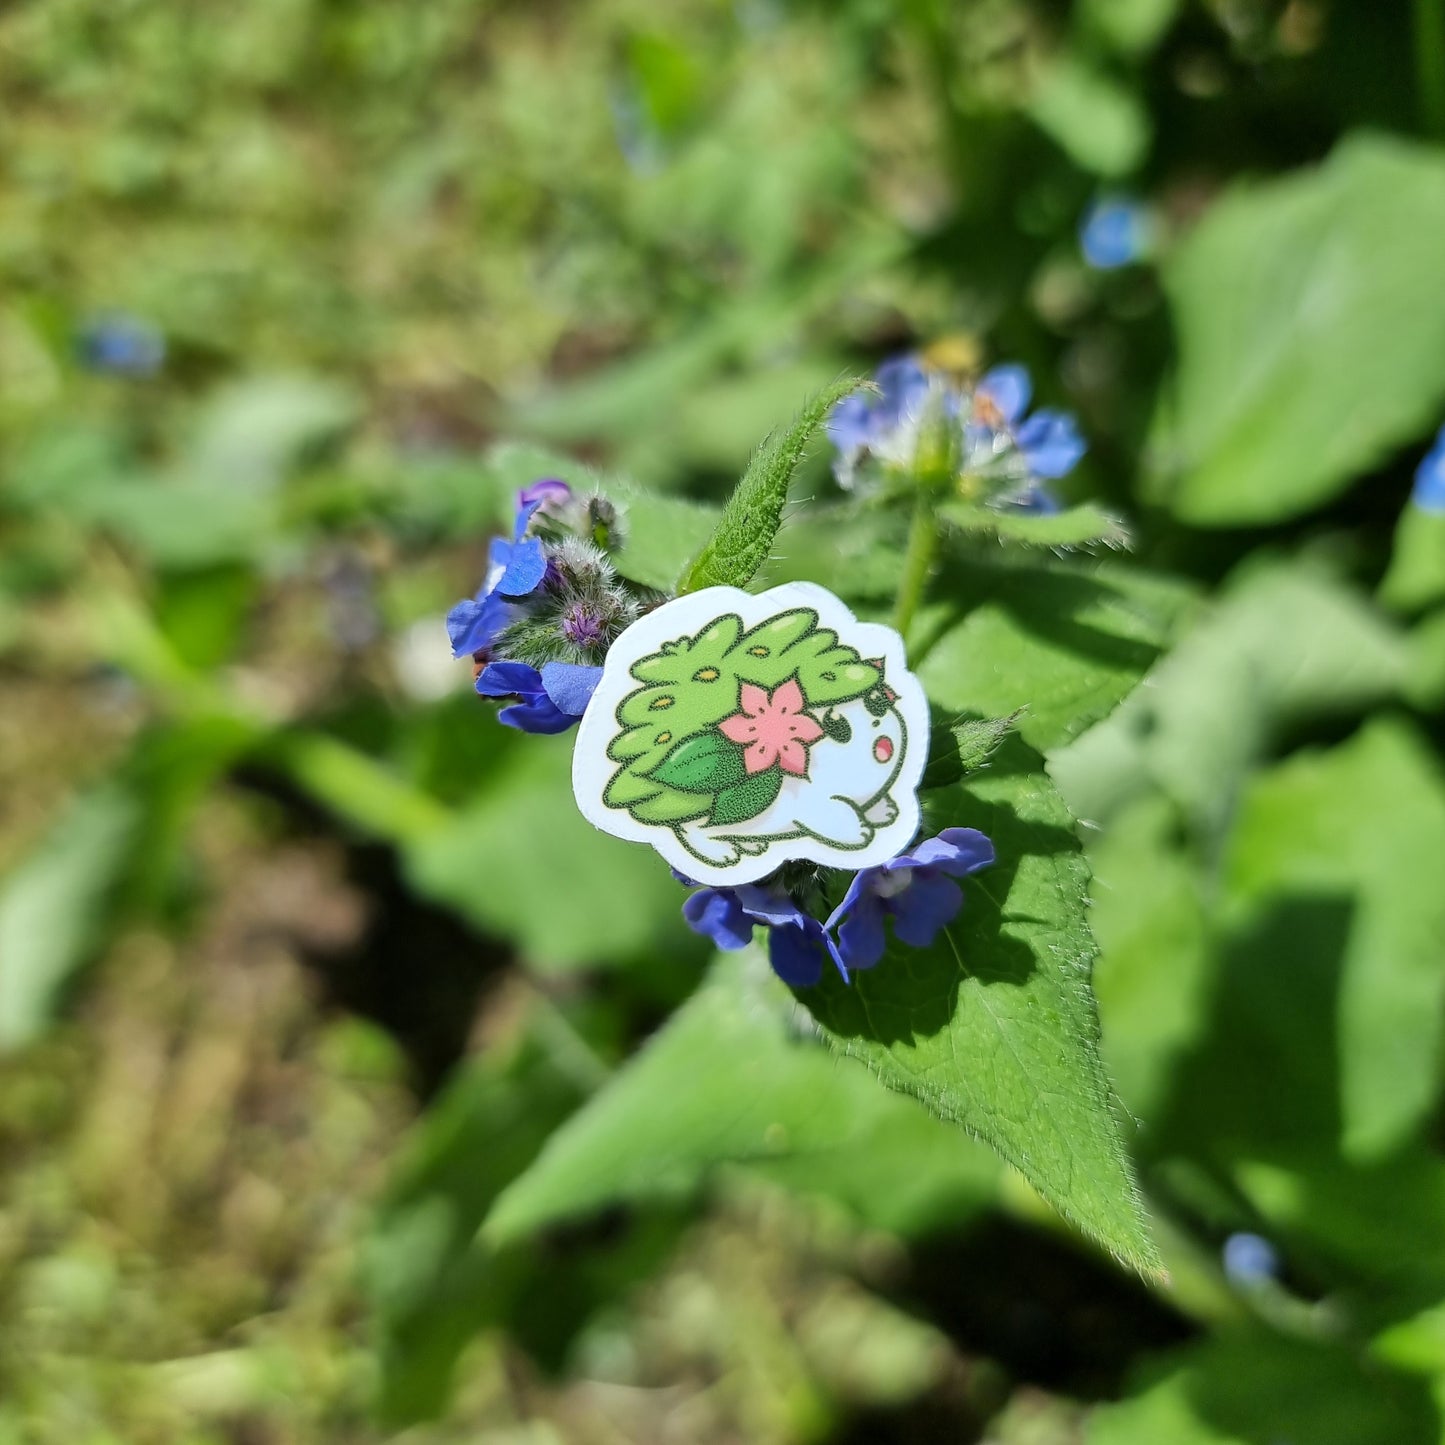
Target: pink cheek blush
{"points": [[883, 749]]}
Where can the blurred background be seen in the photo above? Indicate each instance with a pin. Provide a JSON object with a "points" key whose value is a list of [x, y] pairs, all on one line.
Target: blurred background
{"points": [[303, 957]]}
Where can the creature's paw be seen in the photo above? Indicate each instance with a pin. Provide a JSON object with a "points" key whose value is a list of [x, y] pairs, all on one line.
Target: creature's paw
{"points": [[883, 812], [720, 852]]}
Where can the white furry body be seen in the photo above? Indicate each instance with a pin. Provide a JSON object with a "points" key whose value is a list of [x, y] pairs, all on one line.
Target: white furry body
{"points": [[841, 801]]}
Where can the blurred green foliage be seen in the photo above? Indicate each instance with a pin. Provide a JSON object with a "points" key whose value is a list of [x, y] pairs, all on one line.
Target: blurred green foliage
{"points": [[398, 1097]]}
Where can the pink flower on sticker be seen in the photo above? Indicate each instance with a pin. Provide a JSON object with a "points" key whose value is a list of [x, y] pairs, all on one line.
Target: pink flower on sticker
{"points": [[775, 729]]}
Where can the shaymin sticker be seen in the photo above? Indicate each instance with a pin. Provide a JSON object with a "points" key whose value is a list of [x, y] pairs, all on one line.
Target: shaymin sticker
{"points": [[735, 731]]}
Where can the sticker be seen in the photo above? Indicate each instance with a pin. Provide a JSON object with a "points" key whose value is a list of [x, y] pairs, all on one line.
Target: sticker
{"points": [[735, 731]]}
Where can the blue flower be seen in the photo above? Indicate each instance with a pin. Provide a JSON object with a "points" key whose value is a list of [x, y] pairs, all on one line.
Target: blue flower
{"points": [[1249, 1259], [1429, 493], [863, 420], [886, 425], [917, 890], [516, 569], [1115, 231], [549, 701], [123, 345], [1049, 440], [797, 942]]}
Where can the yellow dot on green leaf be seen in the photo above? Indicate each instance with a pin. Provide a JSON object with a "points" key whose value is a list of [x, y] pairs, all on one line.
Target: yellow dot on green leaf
{"points": [[658, 703], [662, 737], [760, 652], [706, 674]]}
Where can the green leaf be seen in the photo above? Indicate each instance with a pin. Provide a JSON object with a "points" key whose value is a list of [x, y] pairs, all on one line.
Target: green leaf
{"points": [[994, 1027], [1155, 967], [959, 748], [1285, 641], [1096, 120], [252, 431], [1256, 1387], [1132, 27], [1425, 685], [1310, 343], [1065, 640], [754, 512], [1416, 578], [507, 859], [430, 1288], [660, 533], [1079, 526], [1363, 827], [52, 907], [727, 1080], [704, 763]]}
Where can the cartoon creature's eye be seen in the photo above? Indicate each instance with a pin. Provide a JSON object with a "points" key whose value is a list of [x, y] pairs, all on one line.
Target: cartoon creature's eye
{"points": [[658, 703], [706, 674], [876, 700], [837, 728]]}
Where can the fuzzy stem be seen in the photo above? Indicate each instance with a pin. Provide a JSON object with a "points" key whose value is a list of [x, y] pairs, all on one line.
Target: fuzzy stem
{"points": [[917, 564]]}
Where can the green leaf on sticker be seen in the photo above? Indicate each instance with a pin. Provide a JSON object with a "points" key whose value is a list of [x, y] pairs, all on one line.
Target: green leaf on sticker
{"points": [[994, 1027], [748, 798], [754, 512], [704, 763]]}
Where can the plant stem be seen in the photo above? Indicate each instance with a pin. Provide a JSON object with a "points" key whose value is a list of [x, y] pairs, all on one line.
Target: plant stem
{"points": [[917, 564], [1430, 64]]}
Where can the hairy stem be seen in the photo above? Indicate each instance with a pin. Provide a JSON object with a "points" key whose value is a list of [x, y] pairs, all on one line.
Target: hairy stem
{"points": [[917, 564]]}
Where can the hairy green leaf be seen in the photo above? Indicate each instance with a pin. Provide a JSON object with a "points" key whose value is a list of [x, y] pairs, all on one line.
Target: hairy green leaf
{"points": [[994, 1027], [754, 512], [1065, 640], [958, 748], [1079, 526]]}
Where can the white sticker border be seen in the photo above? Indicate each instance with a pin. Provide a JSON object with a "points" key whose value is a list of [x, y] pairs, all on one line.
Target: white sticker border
{"points": [[592, 769]]}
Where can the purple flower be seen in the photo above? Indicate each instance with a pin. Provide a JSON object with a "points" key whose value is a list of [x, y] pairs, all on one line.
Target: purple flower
{"points": [[545, 492], [516, 569], [583, 626], [549, 701], [1429, 492], [917, 890], [1049, 440], [797, 942], [1115, 231]]}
